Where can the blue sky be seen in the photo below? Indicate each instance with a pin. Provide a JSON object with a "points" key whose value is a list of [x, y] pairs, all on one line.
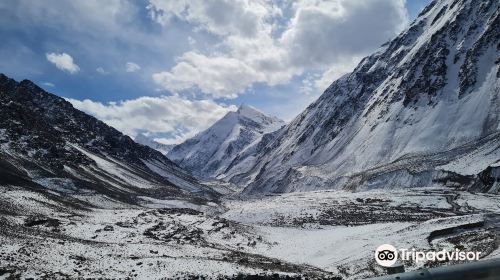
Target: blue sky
{"points": [[171, 68]]}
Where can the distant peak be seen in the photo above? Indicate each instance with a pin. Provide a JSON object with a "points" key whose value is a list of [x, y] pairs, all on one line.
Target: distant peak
{"points": [[247, 109], [245, 106], [140, 137]]}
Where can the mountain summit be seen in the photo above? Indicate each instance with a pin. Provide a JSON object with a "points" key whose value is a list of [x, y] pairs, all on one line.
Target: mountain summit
{"points": [[210, 152]]}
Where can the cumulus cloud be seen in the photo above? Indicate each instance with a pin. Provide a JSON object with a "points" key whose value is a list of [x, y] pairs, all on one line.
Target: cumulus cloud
{"points": [[323, 32], [215, 76], [63, 61], [221, 17], [324, 36], [178, 117], [250, 54], [132, 67]]}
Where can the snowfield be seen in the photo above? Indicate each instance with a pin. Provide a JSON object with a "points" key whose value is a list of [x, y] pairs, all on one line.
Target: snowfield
{"points": [[323, 234]]}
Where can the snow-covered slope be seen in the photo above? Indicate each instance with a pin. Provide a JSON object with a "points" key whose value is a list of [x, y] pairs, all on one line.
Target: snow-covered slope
{"points": [[147, 141], [433, 91], [209, 153], [47, 145]]}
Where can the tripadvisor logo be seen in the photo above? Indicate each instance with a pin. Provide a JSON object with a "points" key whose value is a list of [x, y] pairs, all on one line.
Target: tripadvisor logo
{"points": [[387, 255]]}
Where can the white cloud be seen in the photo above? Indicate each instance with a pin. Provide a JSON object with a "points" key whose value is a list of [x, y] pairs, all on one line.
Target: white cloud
{"points": [[249, 54], [317, 83], [101, 71], [337, 70], [63, 61], [132, 67], [174, 115], [320, 36], [308, 86], [323, 32], [191, 41], [221, 17], [48, 84], [215, 76]]}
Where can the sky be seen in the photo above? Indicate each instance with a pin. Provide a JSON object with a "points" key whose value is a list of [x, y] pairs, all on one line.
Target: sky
{"points": [[171, 68]]}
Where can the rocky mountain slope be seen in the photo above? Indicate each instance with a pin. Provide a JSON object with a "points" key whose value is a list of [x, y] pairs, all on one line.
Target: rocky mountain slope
{"points": [[209, 153], [424, 109], [46, 145]]}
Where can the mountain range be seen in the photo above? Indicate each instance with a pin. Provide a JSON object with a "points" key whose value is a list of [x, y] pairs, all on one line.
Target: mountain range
{"points": [[404, 148], [423, 110], [46, 145]]}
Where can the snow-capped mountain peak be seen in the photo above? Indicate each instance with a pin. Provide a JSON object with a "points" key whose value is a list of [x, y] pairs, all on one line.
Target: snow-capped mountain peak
{"points": [[268, 123], [210, 152], [247, 109]]}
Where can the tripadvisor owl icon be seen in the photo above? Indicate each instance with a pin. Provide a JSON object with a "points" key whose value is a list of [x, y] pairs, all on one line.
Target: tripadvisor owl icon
{"points": [[386, 255]]}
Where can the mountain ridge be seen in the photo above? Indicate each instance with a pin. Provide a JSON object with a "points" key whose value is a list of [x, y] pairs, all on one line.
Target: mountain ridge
{"points": [[432, 88], [44, 140]]}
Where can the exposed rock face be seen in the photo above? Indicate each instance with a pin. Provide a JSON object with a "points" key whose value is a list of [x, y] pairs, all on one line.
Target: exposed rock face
{"points": [[48, 144], [209, 153], [488, 180], [433, 91]]}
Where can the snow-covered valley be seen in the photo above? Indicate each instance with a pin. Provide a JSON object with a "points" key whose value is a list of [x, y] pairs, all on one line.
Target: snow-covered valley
{"points": [[323, 234]]}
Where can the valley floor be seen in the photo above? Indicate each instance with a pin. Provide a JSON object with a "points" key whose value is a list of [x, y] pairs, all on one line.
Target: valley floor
{"points": [[324, 234]]}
